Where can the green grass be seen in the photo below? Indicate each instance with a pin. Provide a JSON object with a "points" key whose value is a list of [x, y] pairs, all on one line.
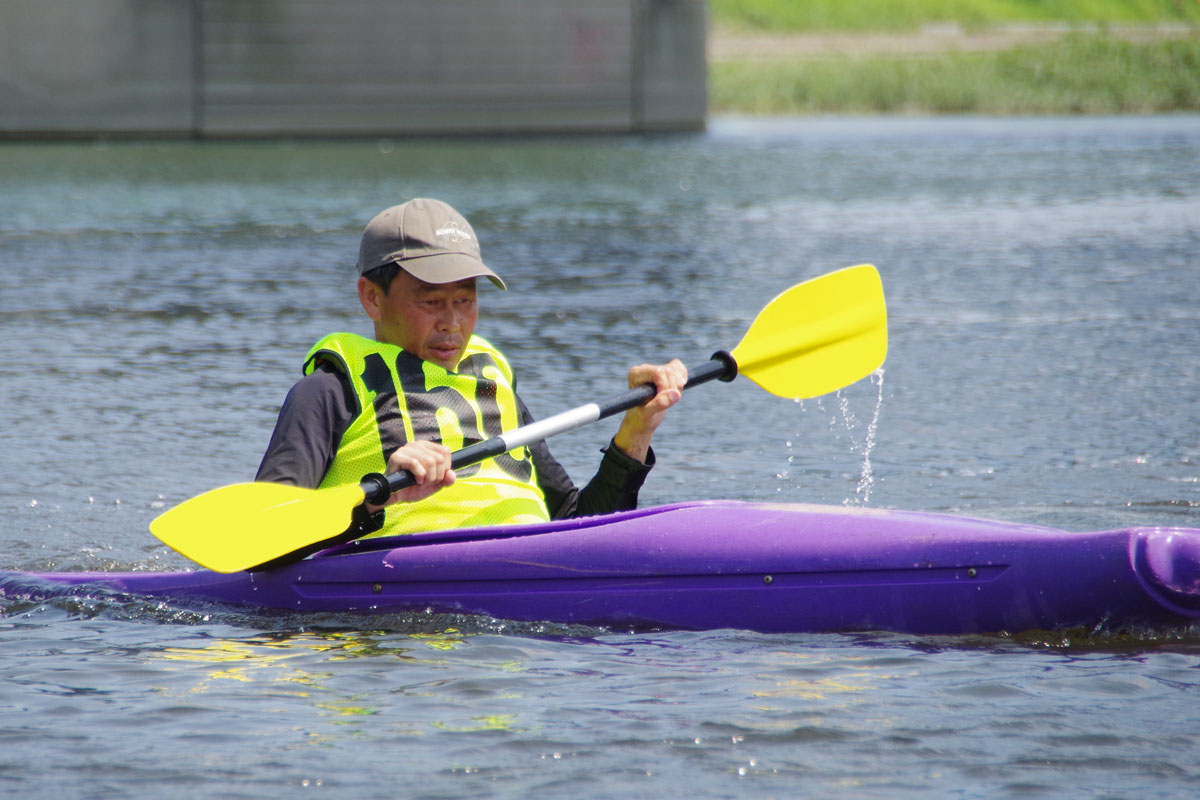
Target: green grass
{"points": [[1083, 74], [901, 15]]}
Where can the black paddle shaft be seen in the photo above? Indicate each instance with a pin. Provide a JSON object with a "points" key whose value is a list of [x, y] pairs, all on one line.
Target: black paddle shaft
{"points": [[378, 487]]}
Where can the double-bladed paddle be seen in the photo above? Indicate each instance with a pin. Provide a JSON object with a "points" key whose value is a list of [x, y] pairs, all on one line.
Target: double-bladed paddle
{"points": [[815, 338]]}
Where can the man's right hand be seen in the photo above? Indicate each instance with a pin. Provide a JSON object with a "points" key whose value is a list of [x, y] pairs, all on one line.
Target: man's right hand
{"points": [[429, 463]]}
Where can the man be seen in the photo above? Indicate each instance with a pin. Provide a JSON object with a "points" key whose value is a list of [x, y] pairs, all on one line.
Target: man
{"points": [[426, 385]]}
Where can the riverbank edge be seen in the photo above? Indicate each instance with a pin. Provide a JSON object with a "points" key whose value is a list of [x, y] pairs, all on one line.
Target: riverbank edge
{"points": [[726, 43], [944, 68]]}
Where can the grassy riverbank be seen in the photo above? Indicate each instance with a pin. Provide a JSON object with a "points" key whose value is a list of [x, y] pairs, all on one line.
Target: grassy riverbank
{"points": [[942, 56], [790, 16]]}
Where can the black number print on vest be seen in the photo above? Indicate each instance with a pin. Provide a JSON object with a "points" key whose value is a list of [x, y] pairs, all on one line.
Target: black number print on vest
{"points": [[423, 405]]}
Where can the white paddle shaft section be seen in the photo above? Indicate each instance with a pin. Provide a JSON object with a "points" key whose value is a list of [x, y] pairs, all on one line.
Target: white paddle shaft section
{"points": [[550, 426]]}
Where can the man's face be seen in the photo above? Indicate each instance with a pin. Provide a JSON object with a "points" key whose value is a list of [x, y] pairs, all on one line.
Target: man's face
{"points": [[430, 320]]}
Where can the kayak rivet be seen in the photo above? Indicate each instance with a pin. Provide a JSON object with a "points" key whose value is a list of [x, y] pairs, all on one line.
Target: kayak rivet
{"points": [[767, 579], [377, 588], [972, 572]]}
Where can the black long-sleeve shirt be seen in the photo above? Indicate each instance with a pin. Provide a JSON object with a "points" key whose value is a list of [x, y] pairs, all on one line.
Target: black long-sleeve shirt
{"points": [[320, 407]]}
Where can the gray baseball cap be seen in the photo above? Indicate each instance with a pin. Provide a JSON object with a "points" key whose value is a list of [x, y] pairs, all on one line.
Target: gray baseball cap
{"points": [[428, 239]]}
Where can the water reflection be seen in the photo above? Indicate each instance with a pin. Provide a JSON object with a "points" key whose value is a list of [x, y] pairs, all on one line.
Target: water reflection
{"points": [[305, 665]]}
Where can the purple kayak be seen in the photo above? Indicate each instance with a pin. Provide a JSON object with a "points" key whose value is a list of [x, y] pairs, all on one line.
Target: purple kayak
{"points": [[724, 564]]}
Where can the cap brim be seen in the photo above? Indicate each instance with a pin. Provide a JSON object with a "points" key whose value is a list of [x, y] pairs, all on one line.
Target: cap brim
{"points": [[449, 268]]}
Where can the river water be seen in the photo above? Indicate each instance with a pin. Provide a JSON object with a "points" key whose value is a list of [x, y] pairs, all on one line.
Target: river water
{"points": [[1042, 280]]}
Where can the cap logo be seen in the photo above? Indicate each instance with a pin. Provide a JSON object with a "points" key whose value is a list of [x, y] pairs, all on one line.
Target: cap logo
{"points": [[452, 231]]}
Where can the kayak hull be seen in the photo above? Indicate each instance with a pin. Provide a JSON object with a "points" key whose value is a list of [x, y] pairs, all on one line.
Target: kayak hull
{"points": [[724, 564]]}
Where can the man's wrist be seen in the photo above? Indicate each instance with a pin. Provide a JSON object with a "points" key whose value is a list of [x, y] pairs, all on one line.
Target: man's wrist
{"points": [[634, 446]]}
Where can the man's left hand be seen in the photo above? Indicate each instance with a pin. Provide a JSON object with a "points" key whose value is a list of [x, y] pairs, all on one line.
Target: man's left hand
{"points": [[640, 422]]}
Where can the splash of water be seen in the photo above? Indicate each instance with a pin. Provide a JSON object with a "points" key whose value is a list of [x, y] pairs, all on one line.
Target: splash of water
{"points": [[844, 422], [866, 480]]}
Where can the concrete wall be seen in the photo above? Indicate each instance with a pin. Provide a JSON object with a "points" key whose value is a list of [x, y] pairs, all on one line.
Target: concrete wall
{"points": [[224, 68], [70, 66]]}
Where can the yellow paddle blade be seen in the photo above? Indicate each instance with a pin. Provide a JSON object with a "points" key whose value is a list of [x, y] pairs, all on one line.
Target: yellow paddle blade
{"points": [[818, 336], [241, 526]]}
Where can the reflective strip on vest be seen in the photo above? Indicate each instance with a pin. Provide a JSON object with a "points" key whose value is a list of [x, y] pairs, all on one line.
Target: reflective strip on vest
{"points": [[402, 398]]}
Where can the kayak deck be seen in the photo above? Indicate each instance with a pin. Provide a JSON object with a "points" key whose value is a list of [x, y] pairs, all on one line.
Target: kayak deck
{"points": [[726, 564]]}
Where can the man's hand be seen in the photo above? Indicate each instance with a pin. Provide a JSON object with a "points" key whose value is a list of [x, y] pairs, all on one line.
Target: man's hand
{"points": [[429, 463], [640, 422]]}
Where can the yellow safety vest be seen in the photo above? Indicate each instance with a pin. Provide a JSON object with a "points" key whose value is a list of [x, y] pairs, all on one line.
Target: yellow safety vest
{"points": [[402, 398]]}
